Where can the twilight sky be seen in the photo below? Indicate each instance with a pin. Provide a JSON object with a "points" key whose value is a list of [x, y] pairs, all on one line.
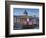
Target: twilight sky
{"points": [[30, 11]]}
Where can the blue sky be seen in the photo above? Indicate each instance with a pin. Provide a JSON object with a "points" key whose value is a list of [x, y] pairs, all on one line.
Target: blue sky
{"points": [[31, 12]]}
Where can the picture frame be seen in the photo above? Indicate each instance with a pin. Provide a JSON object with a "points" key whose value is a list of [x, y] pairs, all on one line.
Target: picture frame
{"points": [[12, 31]]}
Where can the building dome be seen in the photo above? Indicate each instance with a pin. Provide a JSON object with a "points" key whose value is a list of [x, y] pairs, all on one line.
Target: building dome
{"points": [[25, 12]]}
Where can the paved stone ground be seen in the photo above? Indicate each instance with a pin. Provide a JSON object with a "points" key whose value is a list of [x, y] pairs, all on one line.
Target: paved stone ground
{"points": [[19, 27]]}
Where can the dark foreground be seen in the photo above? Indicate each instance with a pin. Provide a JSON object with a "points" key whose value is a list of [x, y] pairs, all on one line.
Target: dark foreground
{"points": [[20, 27]]}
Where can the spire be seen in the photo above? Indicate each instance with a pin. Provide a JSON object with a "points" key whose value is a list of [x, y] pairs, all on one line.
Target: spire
{"points": [[25, 12]]}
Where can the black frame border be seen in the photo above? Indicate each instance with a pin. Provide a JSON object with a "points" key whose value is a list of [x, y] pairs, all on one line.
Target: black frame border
{"points": [[20, 35]]}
